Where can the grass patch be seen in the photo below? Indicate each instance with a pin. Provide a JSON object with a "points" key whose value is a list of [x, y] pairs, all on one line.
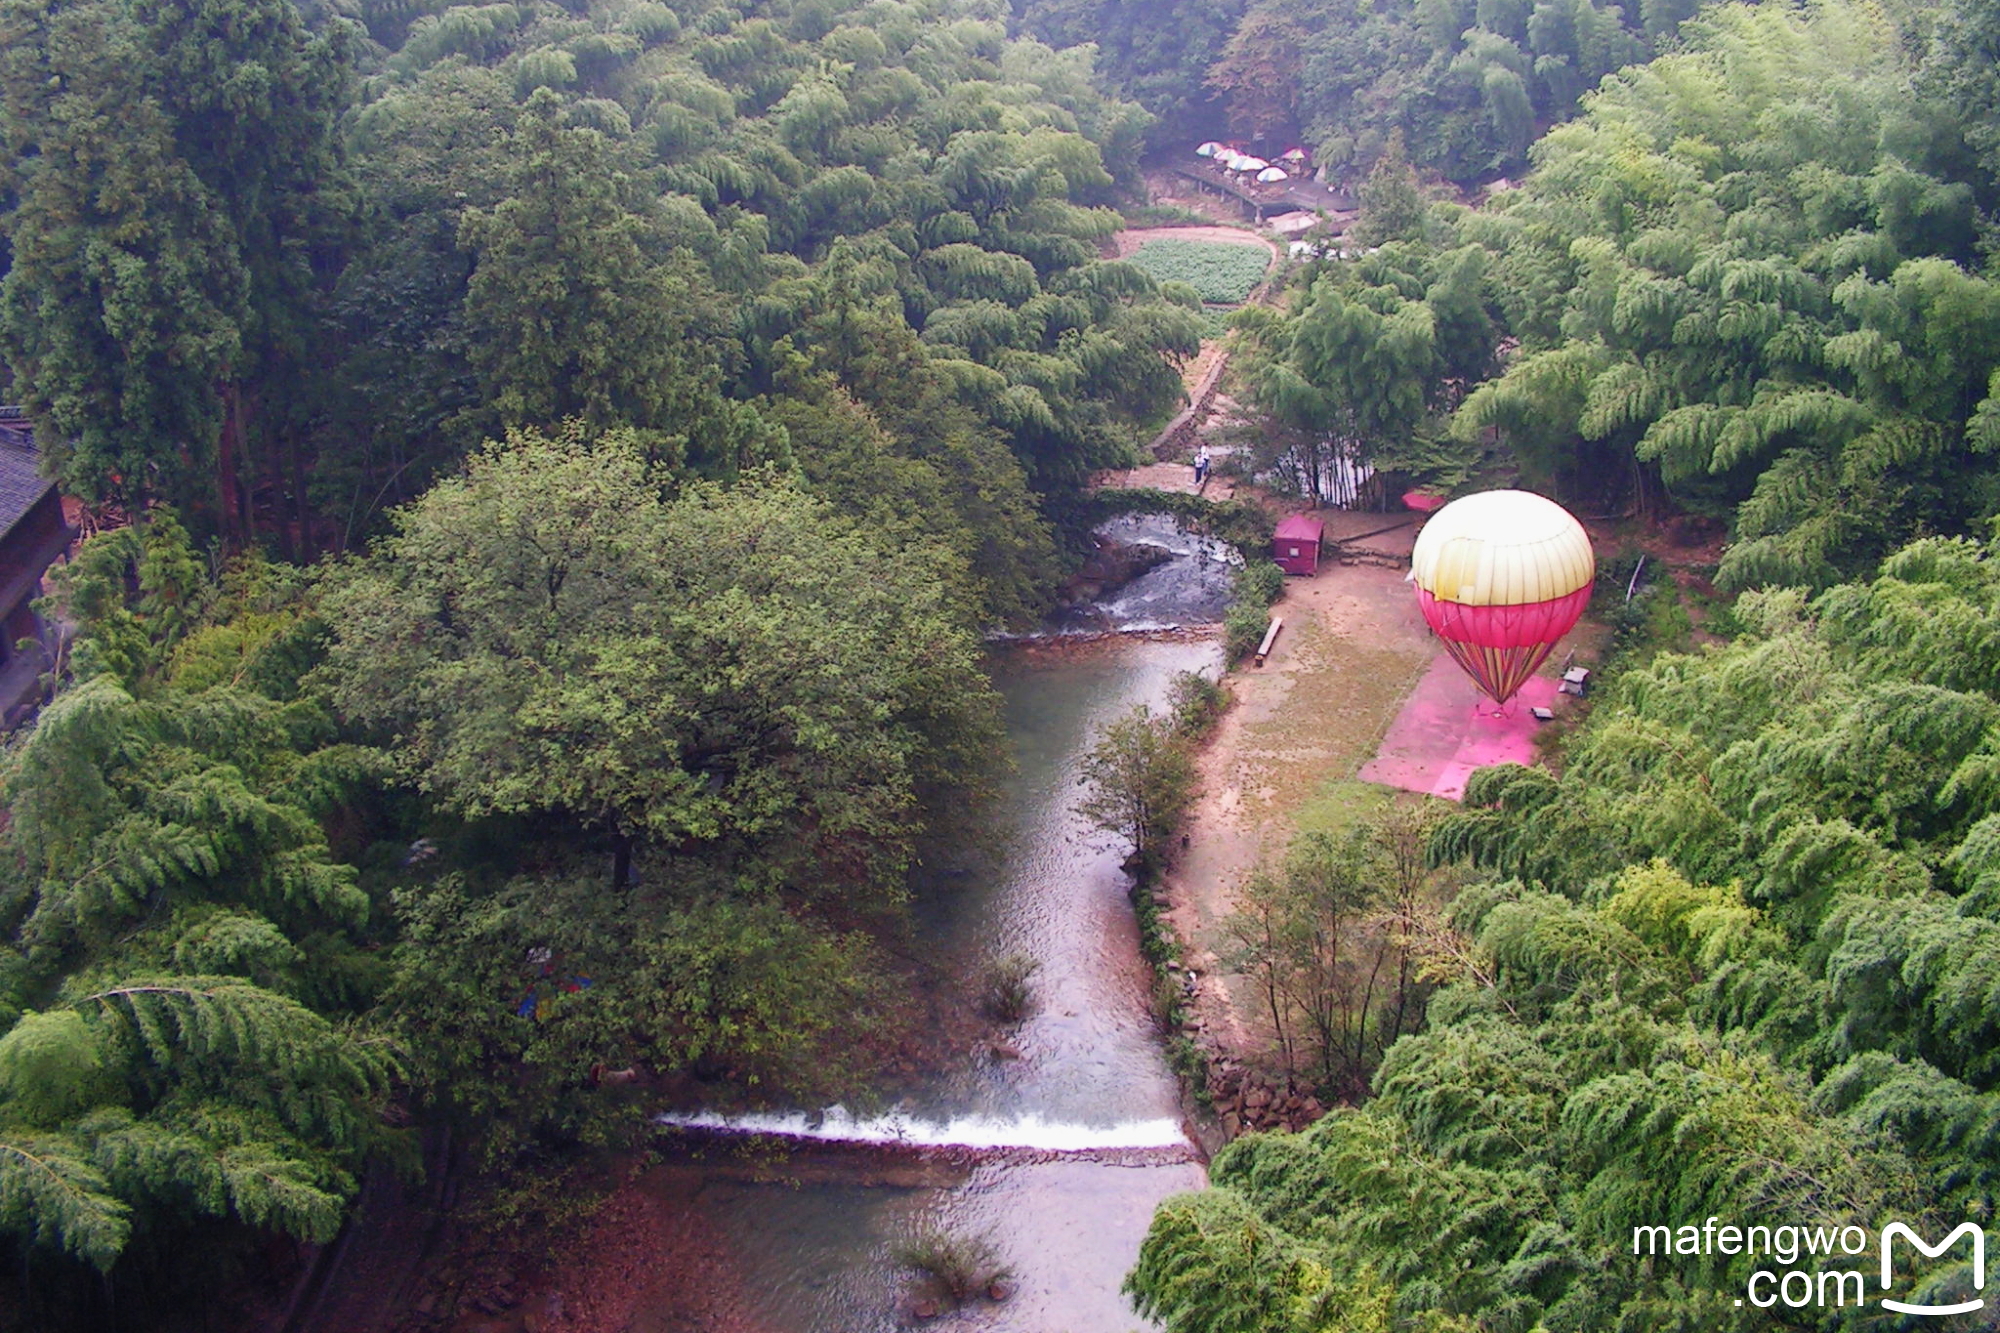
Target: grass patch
{"points": [[1342, 804], [1223, 273], [1344, 696], [1010, 991], [955, 1265]]}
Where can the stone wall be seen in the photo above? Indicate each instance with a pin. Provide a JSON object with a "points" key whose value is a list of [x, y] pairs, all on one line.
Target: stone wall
{"points": [[1180, 432]]}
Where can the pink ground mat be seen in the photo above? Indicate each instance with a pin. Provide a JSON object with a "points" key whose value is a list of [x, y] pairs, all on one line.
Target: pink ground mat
{"points": [[1448, 728]]}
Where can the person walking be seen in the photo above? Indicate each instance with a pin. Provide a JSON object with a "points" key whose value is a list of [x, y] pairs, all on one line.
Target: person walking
{"points": [[1200, 466]]}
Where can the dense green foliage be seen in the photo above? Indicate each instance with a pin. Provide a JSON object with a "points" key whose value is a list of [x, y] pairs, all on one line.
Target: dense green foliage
{"points": [[1467, 83], [1157, 52], [1741, 281], [1222, 274], [733, 672], [232, 958], [179, 1032], [1788, 331], [451, 221], [1735, 961]]}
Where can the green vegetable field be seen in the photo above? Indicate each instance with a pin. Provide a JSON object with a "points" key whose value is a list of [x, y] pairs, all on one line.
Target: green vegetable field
{"points": [[1222, 272]]}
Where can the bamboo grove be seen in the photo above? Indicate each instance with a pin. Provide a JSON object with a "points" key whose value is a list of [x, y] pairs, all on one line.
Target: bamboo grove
{"points": [[1734, 955], [558, 460], [570, 453]]}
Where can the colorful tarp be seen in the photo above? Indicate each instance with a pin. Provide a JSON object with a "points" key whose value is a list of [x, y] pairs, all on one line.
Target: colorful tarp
{"points": [[1501, 576]]}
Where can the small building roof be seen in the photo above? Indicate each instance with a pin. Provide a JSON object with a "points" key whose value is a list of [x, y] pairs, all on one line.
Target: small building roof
{"points": [[22, 484], [1299, 527]]}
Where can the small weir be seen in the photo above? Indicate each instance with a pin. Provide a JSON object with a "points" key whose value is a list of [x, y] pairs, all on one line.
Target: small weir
{"points": [[900, 1128], [1059, 1153]]}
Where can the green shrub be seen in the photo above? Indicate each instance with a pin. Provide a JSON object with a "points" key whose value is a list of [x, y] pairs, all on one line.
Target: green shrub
{"points": [[1260, 581], [1222, 272], [1165, 215], [1243, 627], [1194, 702], [1009, 992], [1258, 584], [956, 1264]]}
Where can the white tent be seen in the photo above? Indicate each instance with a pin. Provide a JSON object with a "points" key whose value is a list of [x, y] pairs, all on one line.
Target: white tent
{"points": [[1229, 159], [1269, 174], [1209, 149], [1251, 164], [1292, 155]]}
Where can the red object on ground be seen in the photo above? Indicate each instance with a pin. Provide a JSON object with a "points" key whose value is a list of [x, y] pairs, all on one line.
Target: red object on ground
{"points": [[1295, 545], [1500, 646], [1423, 501], [1448, 728]]}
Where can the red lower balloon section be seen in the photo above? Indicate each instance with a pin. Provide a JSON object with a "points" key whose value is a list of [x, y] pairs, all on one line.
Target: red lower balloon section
{"points": [[1500, 646]]}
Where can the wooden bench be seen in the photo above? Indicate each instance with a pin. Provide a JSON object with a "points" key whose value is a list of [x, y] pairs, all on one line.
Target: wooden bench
{"points": [[1270, 637]]}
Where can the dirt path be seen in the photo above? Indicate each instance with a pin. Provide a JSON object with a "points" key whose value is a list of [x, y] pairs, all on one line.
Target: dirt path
{"points": [[1165, 477], [1284, 756]]}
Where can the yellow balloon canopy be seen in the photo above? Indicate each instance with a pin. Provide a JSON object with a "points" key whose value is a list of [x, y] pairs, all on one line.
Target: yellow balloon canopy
{"points": [[1501, 576]]}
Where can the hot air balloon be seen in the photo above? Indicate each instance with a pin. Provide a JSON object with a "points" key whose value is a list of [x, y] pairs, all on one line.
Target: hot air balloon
{"points": [[1501, 576]]}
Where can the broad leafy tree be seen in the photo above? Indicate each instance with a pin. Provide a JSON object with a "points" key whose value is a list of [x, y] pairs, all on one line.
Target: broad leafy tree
{"points": [[736, 671]]}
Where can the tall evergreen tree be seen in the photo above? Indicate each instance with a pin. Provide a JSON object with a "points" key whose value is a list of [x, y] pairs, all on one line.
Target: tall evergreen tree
{"points": [[174, 171]]}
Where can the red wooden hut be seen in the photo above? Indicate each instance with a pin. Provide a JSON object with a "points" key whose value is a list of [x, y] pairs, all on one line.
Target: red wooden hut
{"points": [[1296, 544]]}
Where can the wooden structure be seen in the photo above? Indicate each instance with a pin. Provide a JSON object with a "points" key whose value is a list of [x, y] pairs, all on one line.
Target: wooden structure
{"points": [[1270, 637], [1260, 201], [32, 535], [1297, 543]]}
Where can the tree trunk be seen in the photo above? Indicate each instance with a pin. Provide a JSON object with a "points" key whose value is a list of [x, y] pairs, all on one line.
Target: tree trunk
{"points": [[228, 449], [621, 863]]}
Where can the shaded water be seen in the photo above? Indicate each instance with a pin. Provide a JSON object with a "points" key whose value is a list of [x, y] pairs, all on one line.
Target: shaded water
{"points": [[1092, 1076]]}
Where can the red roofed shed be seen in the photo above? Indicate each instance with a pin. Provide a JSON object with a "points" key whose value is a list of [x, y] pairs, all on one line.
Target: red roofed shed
{"points": [[1296, 545]]}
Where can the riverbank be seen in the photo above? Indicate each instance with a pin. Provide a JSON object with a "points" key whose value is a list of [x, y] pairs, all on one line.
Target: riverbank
{"points": [[1283, 758]]}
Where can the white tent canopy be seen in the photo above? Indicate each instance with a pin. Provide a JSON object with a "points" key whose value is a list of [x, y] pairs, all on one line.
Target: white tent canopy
{"points": [[1269, 174], [1209, 149], [1251, 164]]}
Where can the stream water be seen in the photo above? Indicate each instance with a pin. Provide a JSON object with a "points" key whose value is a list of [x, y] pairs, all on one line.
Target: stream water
{"points": [[1191, 587], [1070, 1146]]}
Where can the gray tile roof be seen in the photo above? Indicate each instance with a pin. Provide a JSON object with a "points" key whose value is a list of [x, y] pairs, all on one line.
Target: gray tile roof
{"points": [[22, 484]]}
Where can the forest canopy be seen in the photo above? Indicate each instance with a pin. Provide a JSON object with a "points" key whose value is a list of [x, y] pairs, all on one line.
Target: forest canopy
{"points": [[551, 466], [669, 396]]}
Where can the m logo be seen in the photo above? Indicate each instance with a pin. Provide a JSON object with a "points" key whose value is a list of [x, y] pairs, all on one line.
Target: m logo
{"points": [[1972, 1229]]}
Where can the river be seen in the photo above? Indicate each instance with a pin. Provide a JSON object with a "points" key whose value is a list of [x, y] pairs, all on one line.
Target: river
{"points": [[1070, 1146]]}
